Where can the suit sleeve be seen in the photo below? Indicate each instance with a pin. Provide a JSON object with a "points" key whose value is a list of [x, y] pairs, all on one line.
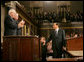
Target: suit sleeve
{"points": [[64, 39], [19, 31], [11, 23]]}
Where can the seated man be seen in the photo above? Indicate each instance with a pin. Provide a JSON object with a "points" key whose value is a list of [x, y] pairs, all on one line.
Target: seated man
{"points": [[43, 48]]}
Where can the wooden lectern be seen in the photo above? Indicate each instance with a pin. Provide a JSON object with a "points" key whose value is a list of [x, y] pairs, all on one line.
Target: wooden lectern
{"points": [[21, 48]]}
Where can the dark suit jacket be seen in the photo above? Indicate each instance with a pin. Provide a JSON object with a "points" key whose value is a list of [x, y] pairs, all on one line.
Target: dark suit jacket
{"points": [[10, 26], [57, 41], [19, 30]]}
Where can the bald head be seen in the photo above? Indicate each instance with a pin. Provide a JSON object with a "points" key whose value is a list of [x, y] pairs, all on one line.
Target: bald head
{"points": [[16, 16]]}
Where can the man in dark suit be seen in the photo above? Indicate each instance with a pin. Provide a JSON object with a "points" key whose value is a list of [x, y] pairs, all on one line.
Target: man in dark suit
{"points": [[19, 29], [10, 24], [58, 41], [43, 48]]}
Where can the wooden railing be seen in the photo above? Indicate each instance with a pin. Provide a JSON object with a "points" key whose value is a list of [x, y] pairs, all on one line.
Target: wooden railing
{"points": [[75, 44]]}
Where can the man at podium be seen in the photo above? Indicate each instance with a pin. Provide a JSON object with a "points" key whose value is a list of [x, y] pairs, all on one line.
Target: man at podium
{"points": [[11, 25]]}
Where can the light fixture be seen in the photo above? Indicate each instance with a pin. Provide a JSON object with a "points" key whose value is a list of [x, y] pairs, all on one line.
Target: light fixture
{"points": [[48, 1]]}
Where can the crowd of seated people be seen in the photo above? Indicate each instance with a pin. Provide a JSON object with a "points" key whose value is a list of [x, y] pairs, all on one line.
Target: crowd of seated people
{"points": [[54, 17], [78, 16], [73, 35]]}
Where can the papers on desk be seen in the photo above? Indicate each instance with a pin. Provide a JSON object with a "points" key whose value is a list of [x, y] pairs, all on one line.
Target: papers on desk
{"points": [[76, 53]]}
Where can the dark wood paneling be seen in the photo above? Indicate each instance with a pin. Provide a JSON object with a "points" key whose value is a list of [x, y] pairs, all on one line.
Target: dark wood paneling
{"points": [[5, 51], [75, 44], [26, 49], [21, 48], [35, 49]]}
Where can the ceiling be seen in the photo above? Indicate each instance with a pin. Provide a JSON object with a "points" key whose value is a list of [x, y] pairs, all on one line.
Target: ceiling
{"points": [[51, 5]]}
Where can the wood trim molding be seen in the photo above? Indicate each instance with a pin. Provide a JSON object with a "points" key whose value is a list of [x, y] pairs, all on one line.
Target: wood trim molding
{"points": [[63, 28], [22, 9]]}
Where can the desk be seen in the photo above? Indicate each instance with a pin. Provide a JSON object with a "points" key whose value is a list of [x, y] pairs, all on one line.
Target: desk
{"points": [[76, 53], [75, 44], [66, 59], [75, 47]]}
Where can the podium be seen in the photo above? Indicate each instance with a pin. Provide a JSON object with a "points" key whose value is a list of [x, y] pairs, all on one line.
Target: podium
{"points": [[21, 48]]}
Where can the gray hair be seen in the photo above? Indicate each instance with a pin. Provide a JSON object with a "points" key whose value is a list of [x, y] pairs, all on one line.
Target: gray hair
{"points": [[11, 10]]}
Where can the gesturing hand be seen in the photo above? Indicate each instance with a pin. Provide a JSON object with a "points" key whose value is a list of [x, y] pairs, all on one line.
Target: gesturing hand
{"points": [[21, 24]]}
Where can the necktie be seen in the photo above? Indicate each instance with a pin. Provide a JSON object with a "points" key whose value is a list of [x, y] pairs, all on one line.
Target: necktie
{"points": [[56, 32]]}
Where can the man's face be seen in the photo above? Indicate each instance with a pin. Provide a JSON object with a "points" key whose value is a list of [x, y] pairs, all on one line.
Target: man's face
{"points": [[55, 26], [12, 14], [16, 16], [42, 39]]}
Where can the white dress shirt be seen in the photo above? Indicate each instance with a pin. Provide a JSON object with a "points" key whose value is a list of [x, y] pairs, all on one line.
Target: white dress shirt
{"points": [[57, 30]]}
